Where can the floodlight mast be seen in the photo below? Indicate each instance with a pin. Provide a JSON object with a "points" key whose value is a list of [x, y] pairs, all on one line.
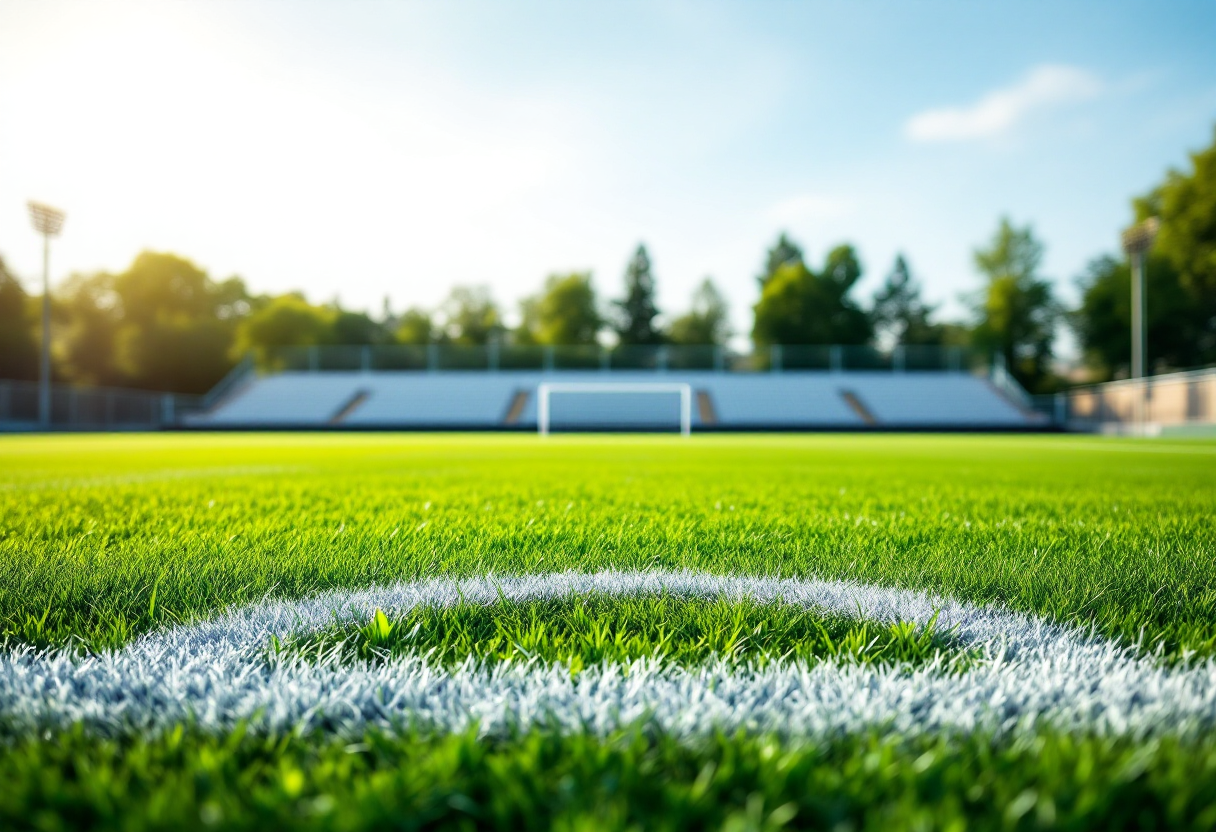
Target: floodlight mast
{"points": [[48, 222], [1137, 241]]}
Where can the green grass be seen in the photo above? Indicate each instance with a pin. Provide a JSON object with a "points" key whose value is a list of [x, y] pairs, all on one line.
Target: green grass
{"points": [[103, 538], [106, 537], [589, 630], [628, 781]]}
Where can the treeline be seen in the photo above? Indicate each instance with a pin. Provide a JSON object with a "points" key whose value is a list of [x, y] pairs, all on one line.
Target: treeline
{"points": [[164, 324]]}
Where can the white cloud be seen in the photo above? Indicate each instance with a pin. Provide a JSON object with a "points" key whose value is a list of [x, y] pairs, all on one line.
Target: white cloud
{"points": [[1000, 111]]}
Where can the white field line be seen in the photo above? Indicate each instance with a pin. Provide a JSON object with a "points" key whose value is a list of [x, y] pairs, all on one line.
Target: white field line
{"points": [[215, 674]]}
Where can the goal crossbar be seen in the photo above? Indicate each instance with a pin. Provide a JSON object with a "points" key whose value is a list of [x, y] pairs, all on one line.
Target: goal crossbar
{"points": [[545, 389]]}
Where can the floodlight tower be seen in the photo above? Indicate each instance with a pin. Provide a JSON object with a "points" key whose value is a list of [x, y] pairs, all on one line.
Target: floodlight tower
{"points": [[48, 222], [1137, 240]]}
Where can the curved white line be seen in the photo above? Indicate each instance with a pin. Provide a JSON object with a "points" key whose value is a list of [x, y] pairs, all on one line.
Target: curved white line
{"points": [[215, 674]]}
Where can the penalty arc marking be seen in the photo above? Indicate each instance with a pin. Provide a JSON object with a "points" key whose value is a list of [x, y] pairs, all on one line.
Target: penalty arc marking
{"points": [[216, 674]]}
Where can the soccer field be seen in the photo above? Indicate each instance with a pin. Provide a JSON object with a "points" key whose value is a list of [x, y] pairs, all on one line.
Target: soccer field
{"points": [[852, 632]]}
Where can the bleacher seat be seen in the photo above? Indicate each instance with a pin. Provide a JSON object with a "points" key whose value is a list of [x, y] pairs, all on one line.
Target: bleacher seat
{"points": [[497, 400]]}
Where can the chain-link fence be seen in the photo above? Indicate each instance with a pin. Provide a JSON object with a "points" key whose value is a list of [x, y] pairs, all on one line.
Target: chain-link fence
{"points": [[91, 408], [506, 357]]}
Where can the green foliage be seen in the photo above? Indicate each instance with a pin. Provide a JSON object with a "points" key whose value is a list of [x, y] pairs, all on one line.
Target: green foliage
{"points": [[176, 324], [86, 318], [564, 313], [1178, 330], [708, 322], [899, 314], [1110, 533], [291, 321], [162, 324], [470, 316], [18, 338], [416, 326], [627, 781], [179, 355], [285, 321], [1180, 281], [637, 310], [590, 630], [1015, 311], [355, 328], [164, 285], [1186, 206], [799, 306], [785, 252]]}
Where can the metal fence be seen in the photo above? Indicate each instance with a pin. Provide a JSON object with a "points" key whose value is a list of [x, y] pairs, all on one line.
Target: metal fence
{"points": [[100, 408], [1146, 404], [91, 408], [507, 357]]}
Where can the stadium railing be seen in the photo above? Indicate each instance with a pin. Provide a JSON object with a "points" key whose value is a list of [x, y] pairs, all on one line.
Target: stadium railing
{"points": [[496, 357], [92, 408]]}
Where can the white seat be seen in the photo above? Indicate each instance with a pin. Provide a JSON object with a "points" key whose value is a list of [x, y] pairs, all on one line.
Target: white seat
{"points": [[481, 400]]}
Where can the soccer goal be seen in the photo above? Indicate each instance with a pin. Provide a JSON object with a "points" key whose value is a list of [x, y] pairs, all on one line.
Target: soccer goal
{"points": [[547, 390]]}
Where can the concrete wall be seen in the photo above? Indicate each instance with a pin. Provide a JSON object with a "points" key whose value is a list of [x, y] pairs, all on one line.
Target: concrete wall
{"points": [[1167, 400]]}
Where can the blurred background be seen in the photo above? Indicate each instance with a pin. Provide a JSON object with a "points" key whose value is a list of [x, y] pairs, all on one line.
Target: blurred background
{"points": [[242, 177]]}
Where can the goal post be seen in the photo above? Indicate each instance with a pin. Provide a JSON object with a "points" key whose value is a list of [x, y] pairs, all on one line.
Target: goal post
{"points": [[545, 390]]}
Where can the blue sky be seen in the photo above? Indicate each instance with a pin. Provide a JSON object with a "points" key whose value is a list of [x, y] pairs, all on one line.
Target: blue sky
{"points": [[367, 149]]}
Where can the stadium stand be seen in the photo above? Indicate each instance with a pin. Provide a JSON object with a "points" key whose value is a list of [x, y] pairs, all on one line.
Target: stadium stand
{"points": [[506, 400], [447, 387]]}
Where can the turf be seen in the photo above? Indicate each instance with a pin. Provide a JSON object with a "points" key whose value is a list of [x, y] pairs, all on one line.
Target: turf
{"points": [[587, 630], [104, 538], [629, 781]]}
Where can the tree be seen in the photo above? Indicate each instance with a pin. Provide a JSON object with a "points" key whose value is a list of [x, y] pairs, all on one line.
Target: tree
{"points": [[470, 315], [355, 328], [564, 313], [637, 310], [183, 355], [899, 315], [416, 326], [1186, 206], [231, 300], [707, 322], [286, 321], [1177, 328], [87, 314], [784, 252], [18, 346], [162, 324], [175, 325], [164, 285], [798, 306], [1015, 311]]}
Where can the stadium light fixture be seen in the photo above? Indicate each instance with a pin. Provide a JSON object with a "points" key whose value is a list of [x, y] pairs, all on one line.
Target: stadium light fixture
{"points": [[48, 222], [1137, 241]]}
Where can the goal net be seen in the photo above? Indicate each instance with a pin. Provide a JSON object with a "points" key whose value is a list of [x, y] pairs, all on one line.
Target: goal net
{"points": [[613, 406]]}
